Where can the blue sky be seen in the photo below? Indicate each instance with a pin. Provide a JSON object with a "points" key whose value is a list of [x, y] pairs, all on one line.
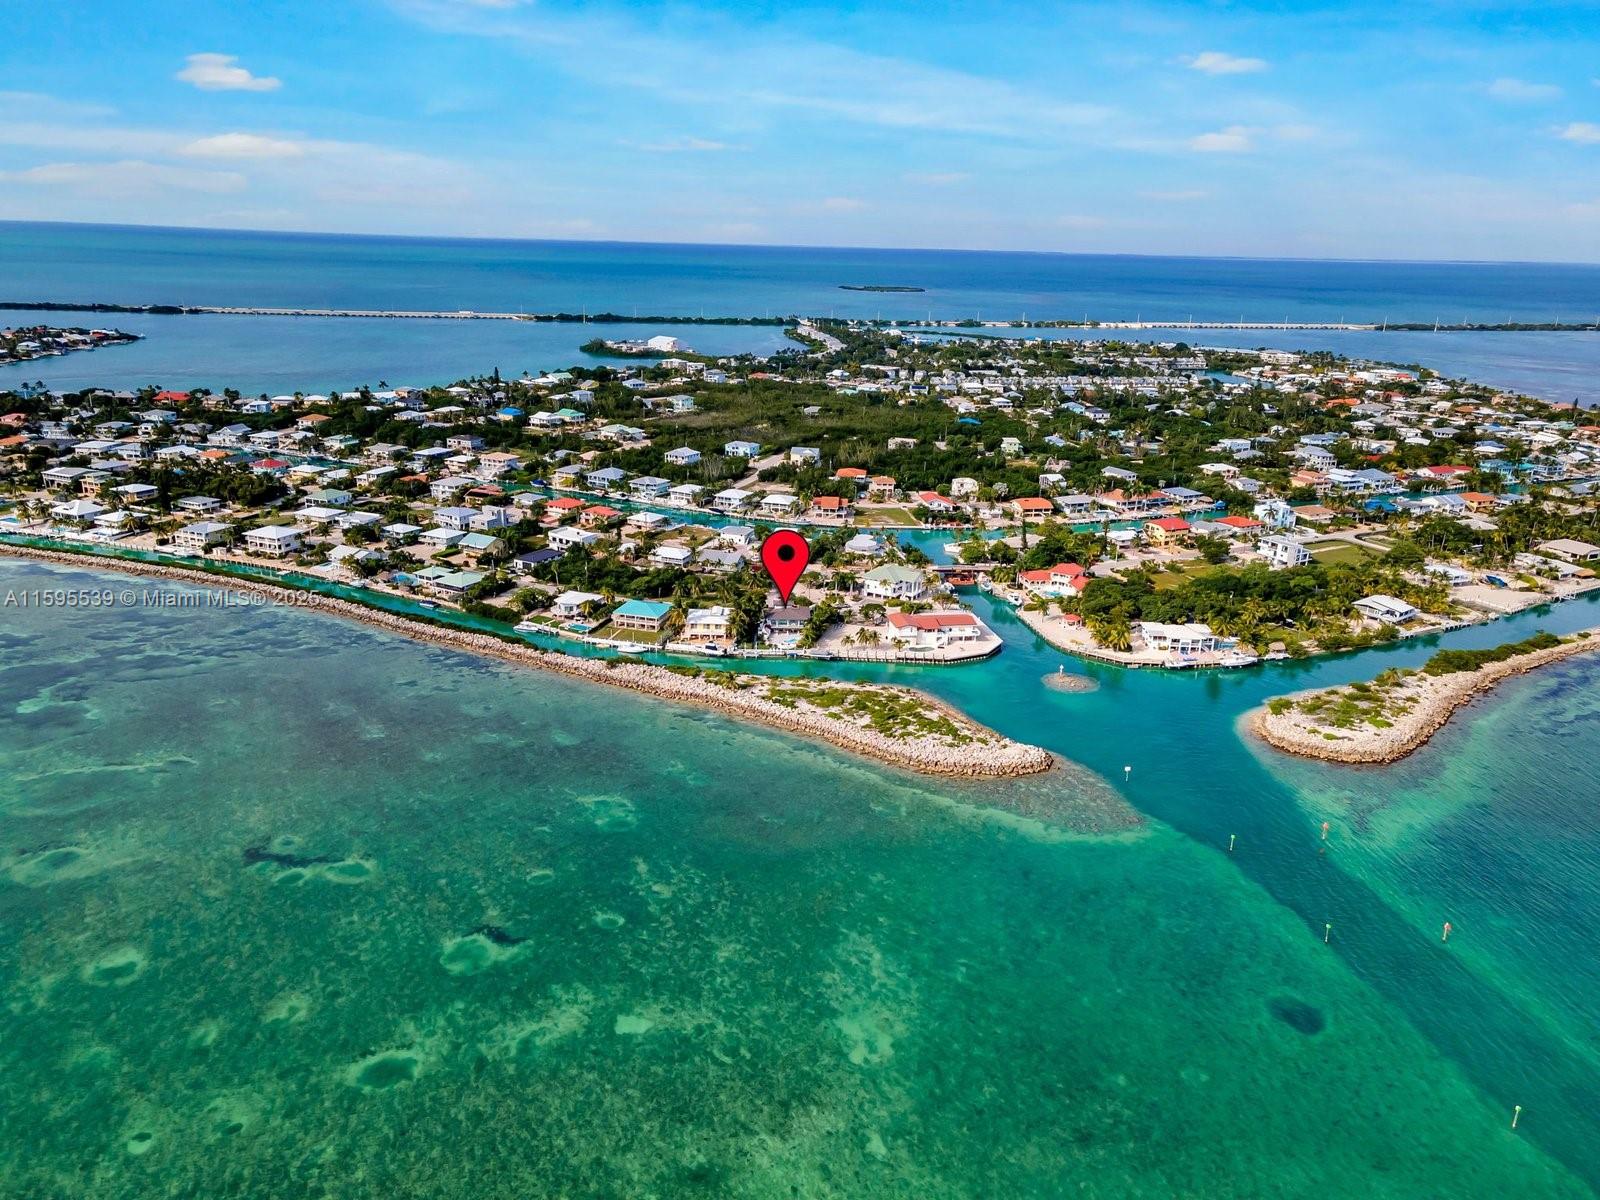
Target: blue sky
{"points": [[1461, 131]]}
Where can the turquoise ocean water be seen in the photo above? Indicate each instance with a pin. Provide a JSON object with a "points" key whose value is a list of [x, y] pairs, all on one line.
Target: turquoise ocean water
{"points": [[288, 900], [141, 266]]}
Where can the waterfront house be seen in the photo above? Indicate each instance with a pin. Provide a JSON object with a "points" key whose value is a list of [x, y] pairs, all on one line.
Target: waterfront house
{"points": [[1570, 549], [1032, 506], [569, 605], [1386, 610], [934, 630], [648, 487], [645, 616], [1063, 579], [829, 506], [200, 536], [731, 500], [936, 503], [272, 540], [788, 622], [778, 504], [605, 479], [708, 624], [1177, 639], [685, 495], [894, 581]]}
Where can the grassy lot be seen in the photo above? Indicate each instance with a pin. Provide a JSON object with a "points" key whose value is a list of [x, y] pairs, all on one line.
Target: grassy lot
{"points": [[610, 632], [886, 516], [1329, 553]]}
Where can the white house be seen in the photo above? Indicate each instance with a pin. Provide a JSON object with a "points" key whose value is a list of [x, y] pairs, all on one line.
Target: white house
{"points": [[893, 581], [683, 456], [568, 537], [201, 535], [1386, 609], [276, 540], [1281, 551], [708, 624], [573, 604], [671, 554], [738, 449], [730, 500], [1192, 638]]}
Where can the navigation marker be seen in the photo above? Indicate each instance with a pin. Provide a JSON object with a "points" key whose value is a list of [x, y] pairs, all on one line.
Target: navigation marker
{"points": [[785, 554]]}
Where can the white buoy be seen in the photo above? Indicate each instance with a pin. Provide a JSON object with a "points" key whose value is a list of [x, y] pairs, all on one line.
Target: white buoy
{"points": [[1126, 772], [1327, 932], [1231, 838], [1515, 1113]]}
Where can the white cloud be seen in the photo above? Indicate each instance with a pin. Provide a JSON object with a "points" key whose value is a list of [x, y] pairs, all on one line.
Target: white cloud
{"points": [[937, 178], [1081, 221], [1520, 91], [1215, 62], [1235, 139], [682, 145], [129, 176], [841, 204], [1182, 196], [1585, 133], [766, 71], [242, 145], [217, 73]]}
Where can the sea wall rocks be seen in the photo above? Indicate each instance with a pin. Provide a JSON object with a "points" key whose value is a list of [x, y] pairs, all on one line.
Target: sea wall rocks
{"points": [[976, 751], [1433, 700]]}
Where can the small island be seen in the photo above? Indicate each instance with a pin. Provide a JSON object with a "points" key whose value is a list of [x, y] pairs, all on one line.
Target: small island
{"points": [[1385, 719], [662, 346], [26, 343]]}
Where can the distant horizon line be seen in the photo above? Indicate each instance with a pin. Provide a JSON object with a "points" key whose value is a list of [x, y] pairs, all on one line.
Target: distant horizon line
{"points": [[430, 237]]}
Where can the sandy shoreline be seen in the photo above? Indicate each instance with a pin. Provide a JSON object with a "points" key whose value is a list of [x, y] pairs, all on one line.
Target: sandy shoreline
{"points": [[984, 753], [1433, 700]]}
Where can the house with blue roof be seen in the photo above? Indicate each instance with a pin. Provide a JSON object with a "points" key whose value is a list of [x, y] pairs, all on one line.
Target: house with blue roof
{"points": [[645, 616]]}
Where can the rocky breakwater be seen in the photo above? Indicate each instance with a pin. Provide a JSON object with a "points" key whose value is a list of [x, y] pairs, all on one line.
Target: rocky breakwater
{"points": [[895, 725], [1390, 717]]}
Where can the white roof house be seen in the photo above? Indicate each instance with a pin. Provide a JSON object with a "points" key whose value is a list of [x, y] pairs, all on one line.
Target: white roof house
{"points": [[272, 539], [1386, 609], [1281, 551]]}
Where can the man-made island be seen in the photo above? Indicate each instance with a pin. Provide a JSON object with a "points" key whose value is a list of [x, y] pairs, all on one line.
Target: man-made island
{"points": [[1149, 504], [1387, 718], [26, 343], [895, 725]]}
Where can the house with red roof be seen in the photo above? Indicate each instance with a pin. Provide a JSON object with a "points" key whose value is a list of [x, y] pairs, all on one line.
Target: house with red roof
{"points": [[1063, 579], [830, 506], [1240, 525], [598, 515], [1032, 506], [935, 502], [933, 630], [1164, 530]]}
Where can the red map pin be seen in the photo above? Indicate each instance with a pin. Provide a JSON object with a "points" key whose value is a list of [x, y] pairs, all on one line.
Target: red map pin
{"points": [[785, 554]]}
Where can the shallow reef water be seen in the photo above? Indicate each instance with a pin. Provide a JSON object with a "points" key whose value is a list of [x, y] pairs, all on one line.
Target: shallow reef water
{"points": [[339, 943]]}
